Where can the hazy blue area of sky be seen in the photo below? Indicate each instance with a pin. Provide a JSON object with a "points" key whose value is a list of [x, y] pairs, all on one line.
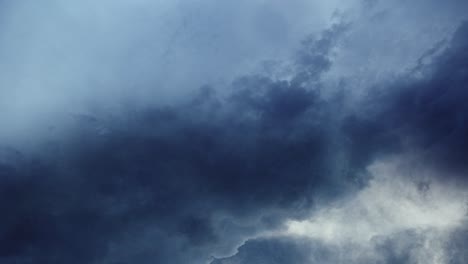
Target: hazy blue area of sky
{"points": [[61, 57]]}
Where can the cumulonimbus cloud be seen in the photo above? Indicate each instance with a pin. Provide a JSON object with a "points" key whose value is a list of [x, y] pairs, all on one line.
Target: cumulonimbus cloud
{"points": [[272, 154]]}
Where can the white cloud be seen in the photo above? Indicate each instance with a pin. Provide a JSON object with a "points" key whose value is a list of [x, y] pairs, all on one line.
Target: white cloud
{"points": [[399, 199]]}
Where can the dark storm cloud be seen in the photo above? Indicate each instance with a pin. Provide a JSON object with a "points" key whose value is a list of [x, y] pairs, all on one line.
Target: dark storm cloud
{"points": [[167, 184], [176, 184], [428, 108], [280, 251], [146, 185], [423, 111]]}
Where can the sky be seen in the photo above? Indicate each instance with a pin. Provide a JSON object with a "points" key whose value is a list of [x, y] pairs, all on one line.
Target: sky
{"points": [[233, 132]]}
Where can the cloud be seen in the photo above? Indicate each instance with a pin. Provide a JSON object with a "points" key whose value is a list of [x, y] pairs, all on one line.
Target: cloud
{"points": [[80, 56], [404, 215], [413, 208], [427, 107], [389, 204], [139, 181], [280, 250], [147, 183]]}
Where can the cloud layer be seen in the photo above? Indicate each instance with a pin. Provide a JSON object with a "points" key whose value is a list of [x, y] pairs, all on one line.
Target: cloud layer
{"points": [[404, 215], [414, 208], [306, 159]]}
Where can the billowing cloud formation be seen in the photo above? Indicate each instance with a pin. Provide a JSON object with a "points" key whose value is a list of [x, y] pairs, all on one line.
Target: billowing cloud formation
{"points": [[278, 159], [404, 215], [426, 108], [411, 211], [151, 183]]}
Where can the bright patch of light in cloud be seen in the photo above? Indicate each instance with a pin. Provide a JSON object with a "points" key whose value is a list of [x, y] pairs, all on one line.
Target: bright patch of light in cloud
{"points": [[395, 200]]}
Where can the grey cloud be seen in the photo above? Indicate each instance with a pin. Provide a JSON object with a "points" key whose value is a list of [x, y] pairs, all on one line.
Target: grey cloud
{"points": [[133, 180], [402, 248], [421, 112], [149, 183]]}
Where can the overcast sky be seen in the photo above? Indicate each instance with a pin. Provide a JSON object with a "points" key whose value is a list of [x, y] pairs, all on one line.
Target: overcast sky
{"points": [[233, 132]]}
